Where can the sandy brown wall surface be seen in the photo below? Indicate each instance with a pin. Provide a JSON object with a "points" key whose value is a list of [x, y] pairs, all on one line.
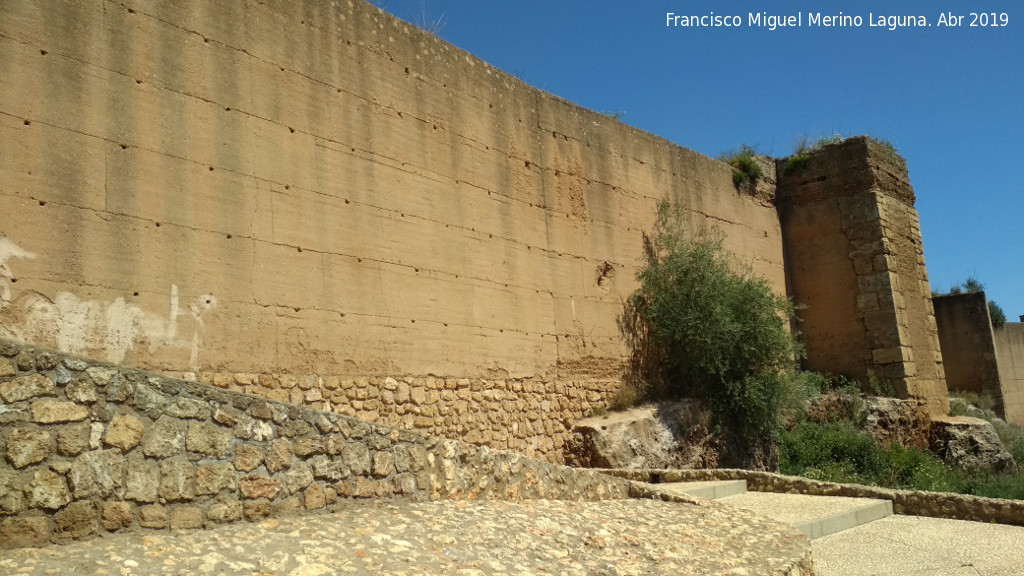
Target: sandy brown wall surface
{"points": [[319, 203], [968, 349], [856, 270], [1009, 344]]}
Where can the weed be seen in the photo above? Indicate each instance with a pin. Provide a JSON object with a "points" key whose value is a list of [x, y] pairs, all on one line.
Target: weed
{"points": [[746, 172], [888, 145], [804, 148], [879, 386], [796, 163]]}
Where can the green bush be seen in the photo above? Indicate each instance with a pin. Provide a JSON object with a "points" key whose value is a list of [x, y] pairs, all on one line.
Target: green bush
{"points": [[746, 171], [716, 331], [839, 452]]}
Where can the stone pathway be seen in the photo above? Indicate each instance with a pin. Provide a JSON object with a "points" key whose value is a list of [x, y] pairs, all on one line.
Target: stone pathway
{"points": [[616, 537]]}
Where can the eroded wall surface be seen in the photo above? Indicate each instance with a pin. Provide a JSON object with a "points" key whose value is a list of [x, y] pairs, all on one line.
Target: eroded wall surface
{"points": [[856, 268], [321, 204]]}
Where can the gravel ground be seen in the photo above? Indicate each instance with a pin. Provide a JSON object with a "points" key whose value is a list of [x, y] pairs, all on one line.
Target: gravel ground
{"points": [[618, 537]]}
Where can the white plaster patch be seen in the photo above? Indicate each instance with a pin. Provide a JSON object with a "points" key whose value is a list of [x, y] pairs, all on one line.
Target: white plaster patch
{"points": [[77, 326], [8, 251]]}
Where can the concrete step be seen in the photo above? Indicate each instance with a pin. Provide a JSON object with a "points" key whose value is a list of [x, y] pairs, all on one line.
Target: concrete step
{"points": [[815, 516], [710, 489]]}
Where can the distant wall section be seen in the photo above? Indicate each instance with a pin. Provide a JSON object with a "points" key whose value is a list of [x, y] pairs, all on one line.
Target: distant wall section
{"points": [[1009, 344], [981, 359], [325, 205]]}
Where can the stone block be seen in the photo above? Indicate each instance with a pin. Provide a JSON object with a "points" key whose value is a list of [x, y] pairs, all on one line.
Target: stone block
{"points": [[98, 473], [78, 520], [247, 457], [255, 487], [82, 391], [28, 445], [279, 455], [117, 516], [225, 415], [186, 517], [24, 532], [314, 497], [254, 510], [101, 375], [177, 480], [284, 506], [357, 458], [260, 410], [184, 407], [305, 447], [363, 487], [405, 483], [74, 439], [224, 512], [25, 361], [149, 401], [298, 477], [142, 481], [27, 388], [124, 432], [153, 516], [890, 355], [165, 438], [383, 464], [48, 491], [6, 368], [209, 439], [216, 477], [327, 468], [12, 496]]}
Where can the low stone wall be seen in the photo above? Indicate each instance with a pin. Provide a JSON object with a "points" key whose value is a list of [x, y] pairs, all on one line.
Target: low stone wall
{"points": [[91, 448], [531, 416], [907, 502]]}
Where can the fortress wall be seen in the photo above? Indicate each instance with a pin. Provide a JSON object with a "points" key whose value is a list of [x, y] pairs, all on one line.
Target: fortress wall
{"points": [[325, 205], [968, 349], [856, 267], [978, 358]]}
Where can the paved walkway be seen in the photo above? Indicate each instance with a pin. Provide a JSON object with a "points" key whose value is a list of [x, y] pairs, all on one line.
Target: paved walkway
{"points": [[621, 537], [915, 546], [858, 537]]}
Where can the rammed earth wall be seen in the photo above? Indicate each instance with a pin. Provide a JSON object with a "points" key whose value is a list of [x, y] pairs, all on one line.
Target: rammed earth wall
{"points": [[318, 203], [855, 268], [302, 199], [89, 448]]}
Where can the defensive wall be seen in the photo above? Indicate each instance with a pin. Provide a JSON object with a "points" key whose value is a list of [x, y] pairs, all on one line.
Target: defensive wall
{"points": [[979, 358], [324, 205], [855, 267]]}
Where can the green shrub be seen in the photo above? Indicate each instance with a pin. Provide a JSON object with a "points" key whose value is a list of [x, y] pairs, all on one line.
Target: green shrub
{"points": [[795, 163], [839, 452], [995, 312], [746, 171], [715, 330]]}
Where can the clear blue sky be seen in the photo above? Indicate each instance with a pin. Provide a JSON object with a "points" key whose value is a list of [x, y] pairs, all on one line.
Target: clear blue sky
{"points": [[951, 99]]}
